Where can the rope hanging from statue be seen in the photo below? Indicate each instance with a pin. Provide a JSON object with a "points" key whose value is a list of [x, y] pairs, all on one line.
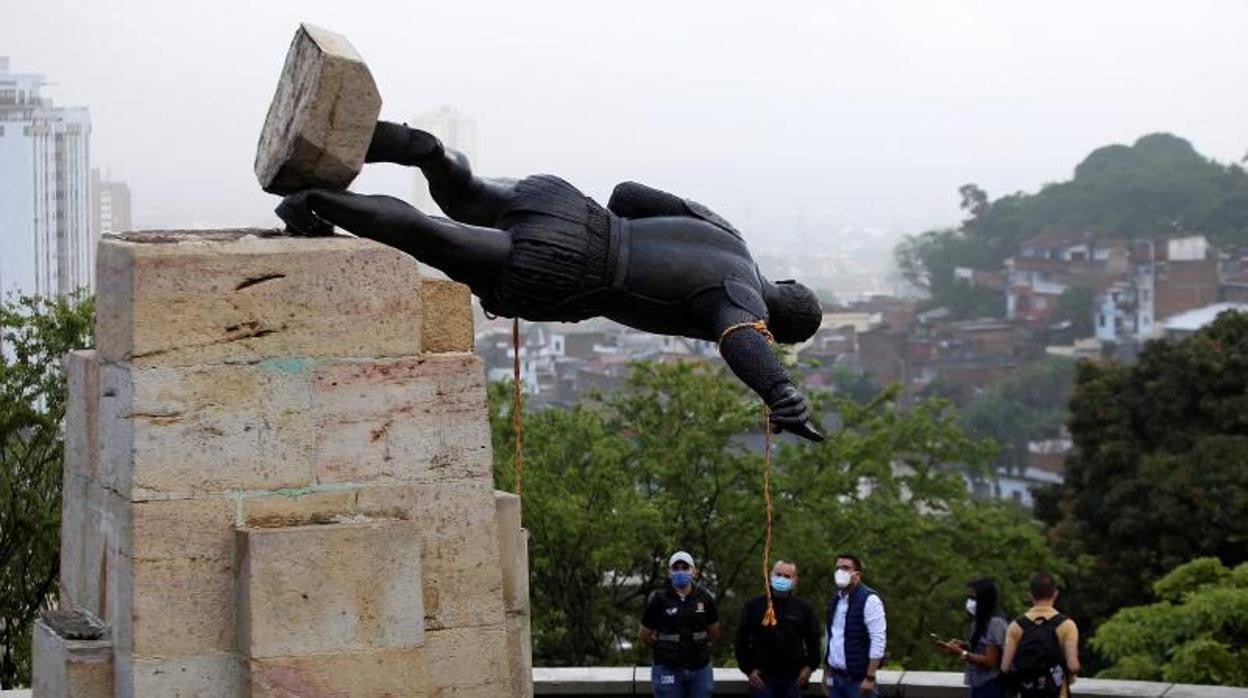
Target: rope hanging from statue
{"points": [[517, 425], [769, 616]]}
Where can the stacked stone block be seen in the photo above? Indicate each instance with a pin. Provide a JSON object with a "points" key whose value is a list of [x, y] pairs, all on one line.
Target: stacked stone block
{"points": [[73, 658], [278, 476]]}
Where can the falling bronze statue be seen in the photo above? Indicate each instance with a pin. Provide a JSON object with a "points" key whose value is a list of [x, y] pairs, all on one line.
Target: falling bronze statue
{"points": [[539, 249]]}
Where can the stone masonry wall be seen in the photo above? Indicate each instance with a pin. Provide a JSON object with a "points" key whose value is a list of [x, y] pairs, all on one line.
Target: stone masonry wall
{"points": [[278, 476]]}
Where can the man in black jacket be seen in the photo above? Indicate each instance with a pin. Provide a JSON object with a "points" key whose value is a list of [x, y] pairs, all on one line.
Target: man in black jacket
{"points": [[778, 659]]}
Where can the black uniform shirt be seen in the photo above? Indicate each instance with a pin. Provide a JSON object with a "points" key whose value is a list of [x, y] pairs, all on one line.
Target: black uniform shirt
{"points": [[680, 626]]}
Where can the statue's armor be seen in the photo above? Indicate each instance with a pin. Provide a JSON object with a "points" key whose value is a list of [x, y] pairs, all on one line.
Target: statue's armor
{"points": [[572, 259]]}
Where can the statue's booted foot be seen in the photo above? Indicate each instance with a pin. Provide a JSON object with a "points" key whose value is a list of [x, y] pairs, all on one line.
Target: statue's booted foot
{"points": [[402, 145]]}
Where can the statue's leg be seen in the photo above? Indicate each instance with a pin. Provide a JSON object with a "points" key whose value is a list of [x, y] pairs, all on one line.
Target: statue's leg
{"points": [[462, 195], [469, 254]]}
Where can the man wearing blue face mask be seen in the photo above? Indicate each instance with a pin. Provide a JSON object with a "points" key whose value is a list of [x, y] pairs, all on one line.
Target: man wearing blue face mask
{"points": [[680, 623], [778, 659]]}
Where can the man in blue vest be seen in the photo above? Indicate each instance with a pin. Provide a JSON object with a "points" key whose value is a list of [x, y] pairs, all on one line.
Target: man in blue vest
{"points": [[856, 633]]}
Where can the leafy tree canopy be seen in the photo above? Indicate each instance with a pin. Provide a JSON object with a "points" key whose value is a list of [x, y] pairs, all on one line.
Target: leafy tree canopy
{"points": [[1159, 472], [35, 334], [673, 460], [1029, 405], [1196, 633]]}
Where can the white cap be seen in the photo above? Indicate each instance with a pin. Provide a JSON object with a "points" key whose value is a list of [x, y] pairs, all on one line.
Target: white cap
{"points": [[681, 556]]}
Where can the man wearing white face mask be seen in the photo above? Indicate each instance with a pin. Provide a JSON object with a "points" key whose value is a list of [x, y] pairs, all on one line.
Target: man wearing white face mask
{"points": [[856, 633], [778, 659]]}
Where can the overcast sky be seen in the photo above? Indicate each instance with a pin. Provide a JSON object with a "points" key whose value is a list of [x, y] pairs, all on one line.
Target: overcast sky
{"points": [[854, 113]]}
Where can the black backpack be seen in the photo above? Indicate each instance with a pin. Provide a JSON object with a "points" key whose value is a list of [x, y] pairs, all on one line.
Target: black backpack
{"points": [[1039, 665]]}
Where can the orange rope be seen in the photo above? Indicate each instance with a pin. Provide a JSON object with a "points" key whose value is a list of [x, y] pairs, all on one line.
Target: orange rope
{"points": [[758, 325], [517, 427], [769, 617]]}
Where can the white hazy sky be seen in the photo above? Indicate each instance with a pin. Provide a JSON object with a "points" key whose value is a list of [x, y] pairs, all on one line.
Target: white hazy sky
{"points": [[854, 113]]}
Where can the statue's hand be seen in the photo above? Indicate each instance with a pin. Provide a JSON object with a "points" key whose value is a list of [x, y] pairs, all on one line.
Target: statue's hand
{"points": [[317, 211], [791, 412], [296, 212]]}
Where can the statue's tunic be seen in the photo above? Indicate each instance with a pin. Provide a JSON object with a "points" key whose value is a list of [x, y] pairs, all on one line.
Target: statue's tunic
{"points": [[564, 254]]}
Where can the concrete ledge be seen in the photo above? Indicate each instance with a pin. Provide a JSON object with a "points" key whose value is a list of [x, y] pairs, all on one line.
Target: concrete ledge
{"points": [[635, 681], [586, 681], [1187, 690]]}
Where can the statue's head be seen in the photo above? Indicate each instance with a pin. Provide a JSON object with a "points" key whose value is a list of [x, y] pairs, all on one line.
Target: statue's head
{"points": [[793, 312]]}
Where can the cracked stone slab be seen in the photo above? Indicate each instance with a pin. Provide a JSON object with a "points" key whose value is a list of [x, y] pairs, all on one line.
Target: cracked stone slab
{"points": [[321, 118], [180, 298]]}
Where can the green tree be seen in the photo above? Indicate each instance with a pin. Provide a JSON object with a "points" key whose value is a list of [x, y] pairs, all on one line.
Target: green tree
{"points": [[673, 460], [928, 262], [611, 489], [35, 334], [1159, 471], [1076, 306], [584, 515], [1030, 405], [857, 385], [887, 487], [1197, 631], [974, 201]]}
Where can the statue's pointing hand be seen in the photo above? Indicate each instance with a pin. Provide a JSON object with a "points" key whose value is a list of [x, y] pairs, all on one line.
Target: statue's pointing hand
{"points": [[791, 412]]}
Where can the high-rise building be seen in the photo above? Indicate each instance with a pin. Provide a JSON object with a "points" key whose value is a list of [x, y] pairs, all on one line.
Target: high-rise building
{"points": [[45, 239], [457, 132], [110, 207]]}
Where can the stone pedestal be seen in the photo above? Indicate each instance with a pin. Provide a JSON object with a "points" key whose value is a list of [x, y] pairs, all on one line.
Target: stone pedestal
{"points": [[278, 476], [72, 657]]}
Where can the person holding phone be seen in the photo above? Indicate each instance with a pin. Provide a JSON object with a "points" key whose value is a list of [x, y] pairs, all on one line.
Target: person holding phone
{"points": [[981, 651]]}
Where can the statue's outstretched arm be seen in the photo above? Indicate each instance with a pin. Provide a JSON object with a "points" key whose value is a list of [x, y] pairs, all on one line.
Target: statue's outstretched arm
{"points": [[466, 253], [748, 352]]}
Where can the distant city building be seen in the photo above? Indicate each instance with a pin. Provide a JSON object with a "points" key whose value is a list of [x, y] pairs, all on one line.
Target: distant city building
{"points": [[1170, 275], [1135, 284], [45, 238], [110, 207], [1049, 265], [457, 132]]}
